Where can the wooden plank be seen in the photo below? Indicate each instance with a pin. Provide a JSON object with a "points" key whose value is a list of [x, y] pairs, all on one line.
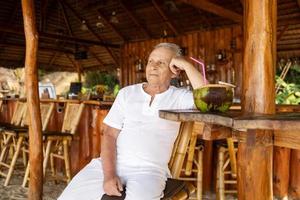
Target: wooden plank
{"points": [[215, 9], [44, 35], [195, 115], [281, 172], [135, 20], [165, 18], [288, 139], [280, 121], [35, 124], [78, 16], [295, 174]]}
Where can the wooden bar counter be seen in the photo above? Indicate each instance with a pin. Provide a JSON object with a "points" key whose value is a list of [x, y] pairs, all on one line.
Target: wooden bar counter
{"points": [[86, 143], [285, 127]]}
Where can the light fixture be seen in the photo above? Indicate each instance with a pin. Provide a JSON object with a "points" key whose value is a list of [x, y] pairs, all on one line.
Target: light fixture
{"points": [[171, 6], [83, 26], [114, 19], [99, 23]]}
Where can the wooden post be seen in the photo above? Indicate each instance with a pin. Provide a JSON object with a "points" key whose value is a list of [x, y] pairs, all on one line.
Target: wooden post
{"points": [[256, 154], [35, 125]]}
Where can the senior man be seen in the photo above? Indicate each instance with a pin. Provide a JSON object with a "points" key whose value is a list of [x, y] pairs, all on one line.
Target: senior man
{"points": [[137, 144]]}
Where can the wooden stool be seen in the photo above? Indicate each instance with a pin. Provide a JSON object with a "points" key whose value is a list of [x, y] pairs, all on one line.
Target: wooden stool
{"points": [[46, 112], [57, 142], [12, 141], [173, 187], [226, 169], [186, 162]]}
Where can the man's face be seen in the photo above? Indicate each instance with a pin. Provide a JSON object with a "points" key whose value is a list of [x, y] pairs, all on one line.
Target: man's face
{"points": [[157, 69]]}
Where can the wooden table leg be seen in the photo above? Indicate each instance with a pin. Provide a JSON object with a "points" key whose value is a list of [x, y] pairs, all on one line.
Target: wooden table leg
{"points": [[255, 157]]}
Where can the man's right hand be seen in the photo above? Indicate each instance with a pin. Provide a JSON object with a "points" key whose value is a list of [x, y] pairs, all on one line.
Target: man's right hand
{"points": [[113, 186]]}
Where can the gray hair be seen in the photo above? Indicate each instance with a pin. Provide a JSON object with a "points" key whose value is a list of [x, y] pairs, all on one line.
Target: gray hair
{"points": [[173, 47]]}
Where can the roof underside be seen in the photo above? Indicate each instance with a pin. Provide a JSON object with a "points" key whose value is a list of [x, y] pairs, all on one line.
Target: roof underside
{"points": [[69, 26]]}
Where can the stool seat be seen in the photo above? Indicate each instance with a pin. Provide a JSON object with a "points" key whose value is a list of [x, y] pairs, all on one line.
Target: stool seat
{"points": [[173, 186]]}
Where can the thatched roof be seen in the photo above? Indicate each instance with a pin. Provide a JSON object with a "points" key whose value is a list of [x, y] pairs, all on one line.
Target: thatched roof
{"points": [[69, 26]]}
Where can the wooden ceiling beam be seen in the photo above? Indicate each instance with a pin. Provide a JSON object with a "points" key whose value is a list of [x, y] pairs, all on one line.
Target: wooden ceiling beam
{"points": [[215, 9], [20, 63], [293, 21], [41, 48], [69, 39], [135, 20], [285, 28], [78, 16], [111, 26], [67, 22], [43, 11], [165, 18]]}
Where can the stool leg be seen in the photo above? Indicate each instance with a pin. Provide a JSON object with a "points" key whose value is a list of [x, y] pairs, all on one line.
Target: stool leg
{"points": [[14, 160], [67, 160], [199, 175], [220, 175], [5, 149], [47, 155], [25, 179]]}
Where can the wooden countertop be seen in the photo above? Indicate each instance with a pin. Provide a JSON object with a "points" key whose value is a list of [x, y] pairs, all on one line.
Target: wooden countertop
{"points": [[235, 120]]}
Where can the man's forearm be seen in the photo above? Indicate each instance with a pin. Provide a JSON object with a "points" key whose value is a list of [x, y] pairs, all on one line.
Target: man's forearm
{"points": [[194, 76], [108, 155]]}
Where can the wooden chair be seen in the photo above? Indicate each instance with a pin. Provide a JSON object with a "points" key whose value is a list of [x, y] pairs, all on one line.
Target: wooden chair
{"points": [[226, 170], [46, 112], [186, 168], [12, 141], [57, 142]]}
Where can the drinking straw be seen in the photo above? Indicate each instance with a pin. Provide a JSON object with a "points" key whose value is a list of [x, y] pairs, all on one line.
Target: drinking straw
{"points": [[203, 68]]}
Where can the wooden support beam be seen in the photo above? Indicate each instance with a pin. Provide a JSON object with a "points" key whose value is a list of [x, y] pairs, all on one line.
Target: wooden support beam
{"points": [[135, 20], [255, 155], [215, 9], [111, 26], [77, 15], [67, 22], [33, 103], [285, 28], [43, 10], [69, 39], [20, 63], [41, 48], [165, 18]]}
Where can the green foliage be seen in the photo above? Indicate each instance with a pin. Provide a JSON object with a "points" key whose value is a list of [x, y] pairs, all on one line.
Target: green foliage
{"points": [[93, 78], [289, 93]]}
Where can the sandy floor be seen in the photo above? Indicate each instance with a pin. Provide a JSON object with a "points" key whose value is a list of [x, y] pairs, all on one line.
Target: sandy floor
{"points": [[16, 192]]}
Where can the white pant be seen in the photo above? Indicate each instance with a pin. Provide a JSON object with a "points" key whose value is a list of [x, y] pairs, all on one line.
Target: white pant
{"points": [[141, 184]]}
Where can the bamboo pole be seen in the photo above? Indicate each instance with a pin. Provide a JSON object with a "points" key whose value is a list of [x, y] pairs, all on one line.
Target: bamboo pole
{"points": [[255, 155], [35, 125]]}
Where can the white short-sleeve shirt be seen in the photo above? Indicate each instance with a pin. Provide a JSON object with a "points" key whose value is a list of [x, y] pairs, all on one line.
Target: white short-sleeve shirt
{"points": [[145, 139]]}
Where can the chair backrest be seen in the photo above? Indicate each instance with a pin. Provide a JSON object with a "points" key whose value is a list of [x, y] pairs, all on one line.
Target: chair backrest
{"points": [[72, 116], [18, 113], [46, 110]]}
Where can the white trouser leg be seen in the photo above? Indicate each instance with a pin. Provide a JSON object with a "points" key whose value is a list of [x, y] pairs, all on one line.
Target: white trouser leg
{"points": [[87, 184], [144, 187]]}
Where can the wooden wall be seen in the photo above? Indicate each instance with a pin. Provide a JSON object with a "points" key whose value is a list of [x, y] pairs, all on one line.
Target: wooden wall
{"points": [[203, 45]]}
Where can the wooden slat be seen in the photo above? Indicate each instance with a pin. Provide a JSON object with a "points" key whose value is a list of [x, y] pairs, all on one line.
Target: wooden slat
{"points": [[216, 9]]}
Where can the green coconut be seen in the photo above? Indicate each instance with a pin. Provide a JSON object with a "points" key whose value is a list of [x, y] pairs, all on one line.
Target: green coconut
{"points": [[213, 98]]}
